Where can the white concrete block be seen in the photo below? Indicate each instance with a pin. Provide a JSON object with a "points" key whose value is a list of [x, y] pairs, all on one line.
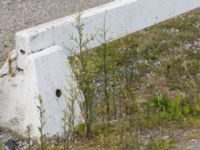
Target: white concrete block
{"points": [[46, 72], [122, 17]]}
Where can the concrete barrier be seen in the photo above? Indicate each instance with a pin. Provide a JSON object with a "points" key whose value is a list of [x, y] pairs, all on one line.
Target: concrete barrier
{"points": [[122, 17], [43, 50], [48, 74]]}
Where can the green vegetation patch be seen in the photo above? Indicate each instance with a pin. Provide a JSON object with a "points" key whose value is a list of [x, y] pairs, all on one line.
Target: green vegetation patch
{"points": [[146, 81]]}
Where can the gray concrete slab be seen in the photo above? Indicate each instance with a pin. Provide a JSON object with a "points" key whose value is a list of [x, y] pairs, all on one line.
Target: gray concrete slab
{"points": [[16, 15]]}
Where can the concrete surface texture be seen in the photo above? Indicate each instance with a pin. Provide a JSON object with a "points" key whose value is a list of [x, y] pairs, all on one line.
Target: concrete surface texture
{"points": [[41, 77], [16, 15]]}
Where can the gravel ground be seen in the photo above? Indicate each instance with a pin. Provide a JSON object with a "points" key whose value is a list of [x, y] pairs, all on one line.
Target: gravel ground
{"points": [[16, 15], [10, 142]]}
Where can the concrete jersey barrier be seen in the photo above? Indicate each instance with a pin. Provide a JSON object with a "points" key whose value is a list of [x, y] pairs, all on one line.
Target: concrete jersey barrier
{"points": [[42, 52]]}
